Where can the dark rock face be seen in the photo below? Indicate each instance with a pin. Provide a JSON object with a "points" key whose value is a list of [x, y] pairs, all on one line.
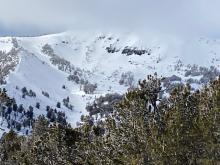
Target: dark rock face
{"points": [[129, 50], [112, 49], [135, 51]]}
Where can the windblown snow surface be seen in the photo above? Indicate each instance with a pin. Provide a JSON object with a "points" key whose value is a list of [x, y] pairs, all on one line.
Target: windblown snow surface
{"points": [[87, 51]]}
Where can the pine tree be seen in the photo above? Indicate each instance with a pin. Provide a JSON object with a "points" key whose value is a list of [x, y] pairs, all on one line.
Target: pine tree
{"points": [[58, 105]]}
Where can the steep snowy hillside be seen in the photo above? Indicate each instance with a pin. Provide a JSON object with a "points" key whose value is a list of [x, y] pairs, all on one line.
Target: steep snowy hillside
{"points": [[74, 68]]}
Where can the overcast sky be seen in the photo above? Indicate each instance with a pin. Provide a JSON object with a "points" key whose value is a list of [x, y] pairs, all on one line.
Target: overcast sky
{"points": [[33, 17]]}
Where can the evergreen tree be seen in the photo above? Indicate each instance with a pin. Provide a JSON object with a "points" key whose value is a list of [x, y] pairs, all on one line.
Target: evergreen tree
{"points": [[142, 129], [58, 105], [38, 105]]}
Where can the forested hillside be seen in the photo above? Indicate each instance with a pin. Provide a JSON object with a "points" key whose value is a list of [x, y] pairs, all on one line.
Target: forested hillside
{"points": [[66, 76], [141, 128]]}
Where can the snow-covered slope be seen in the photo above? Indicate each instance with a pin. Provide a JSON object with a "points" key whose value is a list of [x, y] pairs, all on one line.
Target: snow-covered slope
{"points": [[102, 59]]}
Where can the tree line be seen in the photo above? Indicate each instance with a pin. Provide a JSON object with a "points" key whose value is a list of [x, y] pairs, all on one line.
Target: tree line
{"points": [[142, 129]]}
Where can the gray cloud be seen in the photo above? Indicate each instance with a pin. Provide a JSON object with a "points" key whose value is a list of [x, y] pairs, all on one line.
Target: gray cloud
{"points": [[193, 17]]}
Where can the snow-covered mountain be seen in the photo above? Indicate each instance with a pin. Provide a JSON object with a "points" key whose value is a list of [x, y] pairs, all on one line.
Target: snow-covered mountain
{"points": [[82, 66]]}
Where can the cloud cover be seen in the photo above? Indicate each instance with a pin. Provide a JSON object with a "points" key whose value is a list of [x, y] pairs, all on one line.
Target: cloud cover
{"points": [[186, 17]]}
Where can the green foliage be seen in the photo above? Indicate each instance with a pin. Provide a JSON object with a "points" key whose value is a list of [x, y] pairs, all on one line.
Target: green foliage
{"points": [[183, 129], [47, 145], [142, 129]]}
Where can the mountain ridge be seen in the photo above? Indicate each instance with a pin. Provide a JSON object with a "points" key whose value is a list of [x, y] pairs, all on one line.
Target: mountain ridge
{"points": [[85, 66]]}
